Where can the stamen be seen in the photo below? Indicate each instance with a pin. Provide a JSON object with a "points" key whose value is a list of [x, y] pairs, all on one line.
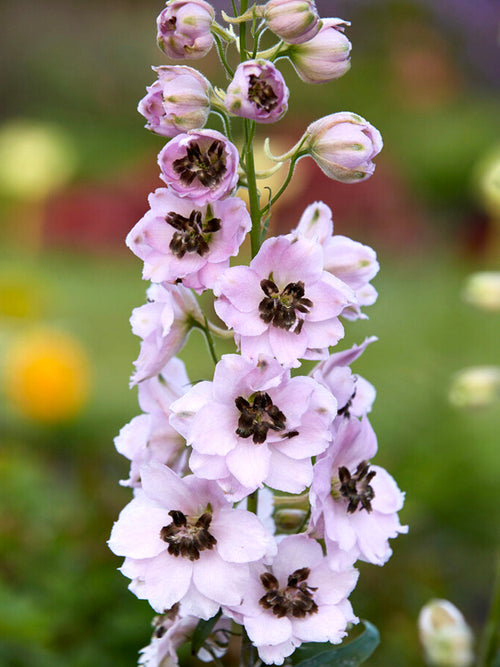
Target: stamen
{"points": [[279, 308], [356, 488], [345, 410], [186, 537], [295, 599], [193, 234], [258, 417], [262, 94], [207, 167]]}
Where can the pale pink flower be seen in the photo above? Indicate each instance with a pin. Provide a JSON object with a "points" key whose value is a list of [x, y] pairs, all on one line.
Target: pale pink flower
{"points": [[183, 542], [294, 21], [163, 324], [183, 241], [177, 101], [255, 425], [354, 504], [324, 57], [354, 394], [298, 599], [172, 630], [284, 304], [184, 29], [258, 91], [343, 146], [201, 165], [149, 436], [354, 263]]}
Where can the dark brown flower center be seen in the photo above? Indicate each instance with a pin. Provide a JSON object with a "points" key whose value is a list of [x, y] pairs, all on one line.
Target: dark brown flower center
{"points": [[261, 93], [279, 308], [193, 233], [169, 24], [187, 537], [258, 416], [345, 411], [356, 488], [295, 599], [207, 166]]}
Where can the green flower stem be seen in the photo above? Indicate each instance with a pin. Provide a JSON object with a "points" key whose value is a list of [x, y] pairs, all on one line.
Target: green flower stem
{"points": [[225, 122], [248, 656], [243, 32], [221, 50], [287, 180], [208, 337], [490, 653], [253, 193], [221, 32]]}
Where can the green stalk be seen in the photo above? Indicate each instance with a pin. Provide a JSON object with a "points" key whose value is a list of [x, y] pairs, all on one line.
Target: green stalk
{"points": [[243, 32], [221, 50], [253, 194], [248, 656]]}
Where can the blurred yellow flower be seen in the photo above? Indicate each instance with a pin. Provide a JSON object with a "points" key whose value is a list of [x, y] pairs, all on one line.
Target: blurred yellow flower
{"points": [[36, 159], [22, 294], [47, 375]]}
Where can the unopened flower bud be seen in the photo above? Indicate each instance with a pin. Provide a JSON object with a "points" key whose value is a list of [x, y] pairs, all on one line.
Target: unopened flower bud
{"points": [[177, 102], [324, 57], [475, 387], [184, 29], [483, 290], [294, 21], [445, 636], [343, 145], [289, 520], [257, 91]]}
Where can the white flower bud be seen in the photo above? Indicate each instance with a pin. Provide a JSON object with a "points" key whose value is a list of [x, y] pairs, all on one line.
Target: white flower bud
{"points": [[483, 290], [475, 387], [445, 636]]}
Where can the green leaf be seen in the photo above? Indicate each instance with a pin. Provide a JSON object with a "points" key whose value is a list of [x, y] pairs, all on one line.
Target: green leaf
{"points": [[350, 654], [202, 631]]}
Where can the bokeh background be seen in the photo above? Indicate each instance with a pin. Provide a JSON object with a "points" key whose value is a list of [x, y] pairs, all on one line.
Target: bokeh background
{"points": [[75, 170]]}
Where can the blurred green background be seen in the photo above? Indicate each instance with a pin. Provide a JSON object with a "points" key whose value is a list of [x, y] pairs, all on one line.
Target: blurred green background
{"points": [[75, 170]]}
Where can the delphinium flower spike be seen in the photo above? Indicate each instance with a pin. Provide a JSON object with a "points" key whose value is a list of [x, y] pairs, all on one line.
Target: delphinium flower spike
{"points": [[221, 467]]}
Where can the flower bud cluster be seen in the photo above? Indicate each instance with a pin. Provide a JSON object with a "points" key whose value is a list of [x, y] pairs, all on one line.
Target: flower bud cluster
{"points": [[201, 455]]}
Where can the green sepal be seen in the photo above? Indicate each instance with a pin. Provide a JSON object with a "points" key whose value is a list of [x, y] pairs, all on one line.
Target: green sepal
{"points": [[202, 632]]}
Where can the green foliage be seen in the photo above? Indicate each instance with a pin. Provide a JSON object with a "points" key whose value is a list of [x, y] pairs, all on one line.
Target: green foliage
{"points": [[352, 653], [202, 631]]}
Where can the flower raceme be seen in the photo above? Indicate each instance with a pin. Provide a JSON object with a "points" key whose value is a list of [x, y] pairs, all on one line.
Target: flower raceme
{"points": [[217, 466]]}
